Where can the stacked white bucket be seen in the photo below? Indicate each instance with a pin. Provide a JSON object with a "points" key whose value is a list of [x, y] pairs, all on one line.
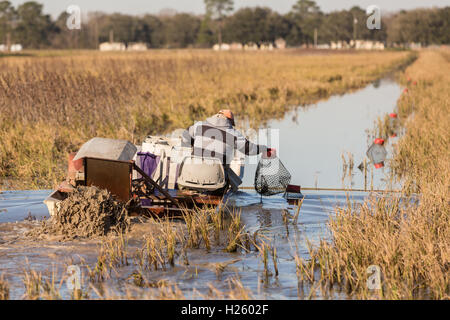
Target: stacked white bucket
{"points": [[171, 155]]}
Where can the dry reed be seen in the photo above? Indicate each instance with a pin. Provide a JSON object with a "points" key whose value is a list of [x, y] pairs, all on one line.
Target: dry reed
{"points": [[51, 104], [406, 236]]}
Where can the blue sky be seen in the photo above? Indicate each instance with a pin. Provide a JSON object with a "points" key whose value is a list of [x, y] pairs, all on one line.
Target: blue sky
{"points": [[55, 7]]}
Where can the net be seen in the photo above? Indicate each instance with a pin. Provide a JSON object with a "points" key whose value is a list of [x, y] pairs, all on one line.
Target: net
{"points": [[271, 177]]}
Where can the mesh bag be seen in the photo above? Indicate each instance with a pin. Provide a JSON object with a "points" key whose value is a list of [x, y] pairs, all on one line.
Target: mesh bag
{"points": [[271, 177]]}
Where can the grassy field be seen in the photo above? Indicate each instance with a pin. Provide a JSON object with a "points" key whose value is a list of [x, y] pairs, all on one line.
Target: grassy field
{"points": [[406, 235], [52, 102], [408, 238]]}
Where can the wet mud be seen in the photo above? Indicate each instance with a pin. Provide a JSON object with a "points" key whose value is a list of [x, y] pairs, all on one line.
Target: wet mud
{"points": [[88, 212]]}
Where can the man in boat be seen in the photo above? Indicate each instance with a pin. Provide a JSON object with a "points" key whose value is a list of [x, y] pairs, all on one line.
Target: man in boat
{"points": [[216, 137]]}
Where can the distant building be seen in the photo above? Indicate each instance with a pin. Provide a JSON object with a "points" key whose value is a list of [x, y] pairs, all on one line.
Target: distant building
{"points": [[414, 45], [266, 47], [223, 47], [324, 46], [251, 47], [367, 45], [17, 47], [339, 45], [280, 44], [236, 46], [358, 45], [112, 46], [137, 46]]}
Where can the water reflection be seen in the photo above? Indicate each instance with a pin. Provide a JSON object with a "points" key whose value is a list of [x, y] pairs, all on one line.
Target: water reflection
{"points": [[314, 138]]}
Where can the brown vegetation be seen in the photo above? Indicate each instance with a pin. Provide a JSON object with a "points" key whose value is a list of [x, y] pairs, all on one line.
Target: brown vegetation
{"points": [[406, 236], [51, 104]]}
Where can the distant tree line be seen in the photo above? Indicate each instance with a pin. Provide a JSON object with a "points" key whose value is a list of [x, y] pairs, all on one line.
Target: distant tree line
{"points": [[303, 25]]}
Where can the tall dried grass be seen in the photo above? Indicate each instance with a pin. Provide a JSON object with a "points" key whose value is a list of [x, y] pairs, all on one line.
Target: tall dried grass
{"points": [[4, 288], [50, 104], [408, 236], [39, 286]]}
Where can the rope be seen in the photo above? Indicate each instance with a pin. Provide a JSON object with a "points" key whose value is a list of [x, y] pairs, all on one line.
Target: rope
{"points": [[336, 189]]}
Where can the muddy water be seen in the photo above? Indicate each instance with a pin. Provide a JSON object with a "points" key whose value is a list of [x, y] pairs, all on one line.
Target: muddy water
{"points": [[19, 205], [313, 139]]}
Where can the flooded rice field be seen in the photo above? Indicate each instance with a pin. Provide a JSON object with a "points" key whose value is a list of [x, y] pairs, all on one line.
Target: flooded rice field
{"points": [[313, 141]]}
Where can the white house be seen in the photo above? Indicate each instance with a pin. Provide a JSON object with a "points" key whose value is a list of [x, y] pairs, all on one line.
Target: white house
{"points": [[280, 44], [367, 45], [236, 46], [17, 47], [251, 47], [137, 46], [223, 47], [112, 46], [324, 46], [266, 47]]}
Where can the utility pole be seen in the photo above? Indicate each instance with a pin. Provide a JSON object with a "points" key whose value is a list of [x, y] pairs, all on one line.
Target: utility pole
{"points": [[355, 22], [315, 38], [8, 42], [10, 26], [96, 33], [77, 39], [111, 36], [219, 36]]}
